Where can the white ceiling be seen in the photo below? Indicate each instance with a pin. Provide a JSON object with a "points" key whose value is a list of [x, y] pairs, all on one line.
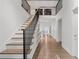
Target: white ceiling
{"points": [[37, 4], [47, 19]]}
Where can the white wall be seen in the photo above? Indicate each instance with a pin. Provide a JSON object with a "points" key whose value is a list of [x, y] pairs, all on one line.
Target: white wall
{"points": [[55, 29], [60, 30], [37, 4], [12, 15], [67, 25]]}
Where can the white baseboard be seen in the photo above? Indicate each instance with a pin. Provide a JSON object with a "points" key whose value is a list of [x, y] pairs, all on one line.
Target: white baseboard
{"points": [[67, 50]]}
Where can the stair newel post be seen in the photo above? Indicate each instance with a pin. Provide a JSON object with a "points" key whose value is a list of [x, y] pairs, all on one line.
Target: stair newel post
{"points": [[24, 53]]}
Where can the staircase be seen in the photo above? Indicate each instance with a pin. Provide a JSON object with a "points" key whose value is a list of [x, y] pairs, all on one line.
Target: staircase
{"points": [[24, 41]]}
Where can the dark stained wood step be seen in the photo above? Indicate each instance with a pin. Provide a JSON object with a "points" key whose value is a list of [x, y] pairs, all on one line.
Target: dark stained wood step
{"points": [[19, 33], [17, 38], [15, 51]]}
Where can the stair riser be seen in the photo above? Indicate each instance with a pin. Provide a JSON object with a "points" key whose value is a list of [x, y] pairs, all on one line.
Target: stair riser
{"points": [[11, 56], [16, 41], [14, 47], [20, 31], [18, 35], [23, 25], [19, 43], [17, 38], [21, 40]]}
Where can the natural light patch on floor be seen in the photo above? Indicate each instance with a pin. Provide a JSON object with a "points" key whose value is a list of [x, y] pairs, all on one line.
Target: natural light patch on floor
{"points": [[50, 49], [57, 57]]}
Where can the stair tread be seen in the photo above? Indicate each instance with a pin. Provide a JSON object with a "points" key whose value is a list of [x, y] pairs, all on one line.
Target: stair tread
{"points": [[19, 33], [15, 51], [23, 25], [17, 43], [17, 38], [27, 22]]}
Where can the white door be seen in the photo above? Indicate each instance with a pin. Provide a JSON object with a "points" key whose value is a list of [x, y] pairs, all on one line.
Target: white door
{"points": [[75, 36]]}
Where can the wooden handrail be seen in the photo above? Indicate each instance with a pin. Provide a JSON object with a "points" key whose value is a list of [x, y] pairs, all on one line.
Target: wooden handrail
{"points": [[30, 21], [24, 33]]}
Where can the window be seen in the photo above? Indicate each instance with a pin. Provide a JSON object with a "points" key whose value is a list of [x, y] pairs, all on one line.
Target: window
{"points": [[40, 11], [47, 11]]}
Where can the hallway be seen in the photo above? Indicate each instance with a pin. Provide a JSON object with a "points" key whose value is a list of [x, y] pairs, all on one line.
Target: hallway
{"points": [[39, 29], [50, 49]]}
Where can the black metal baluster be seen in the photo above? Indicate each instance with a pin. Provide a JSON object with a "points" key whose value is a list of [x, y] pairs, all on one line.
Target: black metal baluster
{"points": [[28, 35]]}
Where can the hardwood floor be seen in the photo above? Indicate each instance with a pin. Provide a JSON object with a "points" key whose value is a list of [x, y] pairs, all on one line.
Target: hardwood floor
{"points": [[50, 49]]}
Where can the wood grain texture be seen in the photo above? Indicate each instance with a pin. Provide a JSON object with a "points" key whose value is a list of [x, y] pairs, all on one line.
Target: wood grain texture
{"points": [[50, 49], [15, 51]]}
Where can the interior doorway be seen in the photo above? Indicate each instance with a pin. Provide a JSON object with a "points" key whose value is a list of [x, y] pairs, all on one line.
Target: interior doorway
{"points": [[75, 36]]}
